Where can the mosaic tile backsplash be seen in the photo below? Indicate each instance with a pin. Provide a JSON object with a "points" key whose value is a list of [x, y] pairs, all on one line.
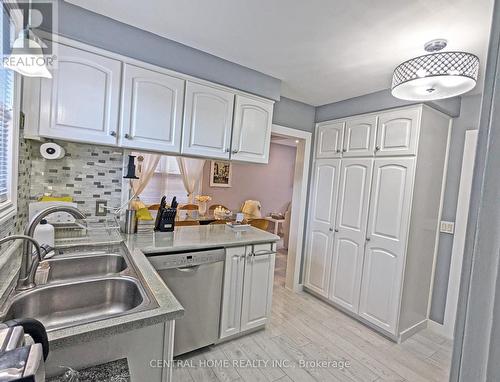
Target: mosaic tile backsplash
{"points": [[87, 173]]}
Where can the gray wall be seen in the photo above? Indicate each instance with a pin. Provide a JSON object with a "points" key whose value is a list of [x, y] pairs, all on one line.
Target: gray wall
{"points": [[294, 114], [378, 101], [476, 351], [100, 31], [468, 120]]}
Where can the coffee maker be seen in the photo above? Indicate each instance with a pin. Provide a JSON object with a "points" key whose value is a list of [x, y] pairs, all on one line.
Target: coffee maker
{"points": [[21, 360]]}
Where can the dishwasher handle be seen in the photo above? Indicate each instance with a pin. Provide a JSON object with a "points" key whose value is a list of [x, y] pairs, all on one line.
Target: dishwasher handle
{"points": [[188, 269]]}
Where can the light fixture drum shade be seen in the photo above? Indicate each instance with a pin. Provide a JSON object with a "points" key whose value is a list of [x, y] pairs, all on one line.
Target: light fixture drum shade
{"points": [[435, 76]]}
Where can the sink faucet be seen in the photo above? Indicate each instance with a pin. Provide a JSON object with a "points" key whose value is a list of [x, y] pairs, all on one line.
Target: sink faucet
{"points": [[28, 270], [27, 274]]}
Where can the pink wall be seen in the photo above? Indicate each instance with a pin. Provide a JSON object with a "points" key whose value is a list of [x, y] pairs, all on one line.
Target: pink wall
{"points": [[271, 184]]}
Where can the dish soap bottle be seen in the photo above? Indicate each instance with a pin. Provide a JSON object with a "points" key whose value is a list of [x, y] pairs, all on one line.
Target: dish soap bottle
{"points": [[44, 233]]}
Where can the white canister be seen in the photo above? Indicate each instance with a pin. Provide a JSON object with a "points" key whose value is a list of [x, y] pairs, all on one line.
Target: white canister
{"points": [[44, 233]]}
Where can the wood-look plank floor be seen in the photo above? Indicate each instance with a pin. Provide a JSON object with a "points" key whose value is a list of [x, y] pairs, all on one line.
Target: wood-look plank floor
{"points": [[304, 328]]}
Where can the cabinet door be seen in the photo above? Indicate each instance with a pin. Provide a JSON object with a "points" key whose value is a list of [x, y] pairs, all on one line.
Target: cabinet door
{"points": [[398, 132], [350, 232], [329, 140], [81, 102], [359, 137], [321, 225], [208, 118], [387, 233], [151, 110], [257, 287], [251, 130], [232, 292]]}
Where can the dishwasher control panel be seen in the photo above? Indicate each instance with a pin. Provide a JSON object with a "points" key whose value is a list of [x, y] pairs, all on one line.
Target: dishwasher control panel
{"points": [[185, 259]]}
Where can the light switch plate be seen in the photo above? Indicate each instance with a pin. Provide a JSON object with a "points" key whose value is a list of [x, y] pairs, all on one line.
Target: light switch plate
{"points": [[447, 227]]}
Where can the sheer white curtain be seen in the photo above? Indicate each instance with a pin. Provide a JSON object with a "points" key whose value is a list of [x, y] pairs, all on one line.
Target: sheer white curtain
{"points": [[192, 174], [145, 171]]}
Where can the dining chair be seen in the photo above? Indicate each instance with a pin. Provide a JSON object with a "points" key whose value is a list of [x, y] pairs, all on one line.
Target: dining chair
{"points": [[214, 206], [190, 207], [218, 222], [259, 223], [185, 223], [154, 207]]}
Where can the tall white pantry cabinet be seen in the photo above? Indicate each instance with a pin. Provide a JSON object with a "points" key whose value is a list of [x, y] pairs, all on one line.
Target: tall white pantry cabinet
{"points": [[374, 214]]}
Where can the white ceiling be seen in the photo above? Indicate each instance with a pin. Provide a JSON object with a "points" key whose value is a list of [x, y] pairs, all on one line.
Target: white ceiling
{"points": [[323, 50]]}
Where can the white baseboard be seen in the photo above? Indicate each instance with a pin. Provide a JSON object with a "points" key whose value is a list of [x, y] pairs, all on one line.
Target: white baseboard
{"points": [[411, 331], [440, 329]]}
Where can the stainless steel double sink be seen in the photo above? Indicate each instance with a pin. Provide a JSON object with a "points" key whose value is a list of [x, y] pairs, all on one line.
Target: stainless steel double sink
{"points": [[84, 285]]}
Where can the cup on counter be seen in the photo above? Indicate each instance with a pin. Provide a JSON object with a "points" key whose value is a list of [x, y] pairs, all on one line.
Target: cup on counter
{"points": [[239, 217]]}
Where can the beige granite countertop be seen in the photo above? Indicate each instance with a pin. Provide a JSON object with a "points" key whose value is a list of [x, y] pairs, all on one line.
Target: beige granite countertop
{"points": [[196, 237]]}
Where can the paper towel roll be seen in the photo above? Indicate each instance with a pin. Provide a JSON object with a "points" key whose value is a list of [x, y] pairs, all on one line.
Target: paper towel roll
{"points": [[52, 150]]}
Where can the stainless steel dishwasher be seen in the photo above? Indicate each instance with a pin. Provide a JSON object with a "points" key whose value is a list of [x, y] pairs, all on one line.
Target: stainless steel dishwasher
{"points": [[195, 279]]}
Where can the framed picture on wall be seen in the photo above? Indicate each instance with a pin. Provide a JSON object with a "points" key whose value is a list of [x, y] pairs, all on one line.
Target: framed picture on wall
{"points": [[220, 174]]}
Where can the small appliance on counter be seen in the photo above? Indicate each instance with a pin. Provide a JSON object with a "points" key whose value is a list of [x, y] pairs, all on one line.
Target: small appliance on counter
{"points": [[19, 361], [165, 219]]}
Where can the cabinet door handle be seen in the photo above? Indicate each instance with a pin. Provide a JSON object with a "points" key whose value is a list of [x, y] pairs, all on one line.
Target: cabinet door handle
{"points": [[128, 136], [344, 150], [377, 148], [368, 239], [262, 253], [113, 133], [235, 151], [336, 230], [338, 150], [228, 150], [330, 229]]}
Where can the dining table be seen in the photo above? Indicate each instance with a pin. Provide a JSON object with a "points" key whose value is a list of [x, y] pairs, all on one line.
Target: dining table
{"points": [[207, 218]]}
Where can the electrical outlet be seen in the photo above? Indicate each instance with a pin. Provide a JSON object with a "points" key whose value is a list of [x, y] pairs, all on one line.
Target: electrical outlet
{"points": [[447, 227], [100, 208]]}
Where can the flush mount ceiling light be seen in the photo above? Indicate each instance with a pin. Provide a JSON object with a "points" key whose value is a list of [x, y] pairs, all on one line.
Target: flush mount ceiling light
{"points": [[436, 75]]}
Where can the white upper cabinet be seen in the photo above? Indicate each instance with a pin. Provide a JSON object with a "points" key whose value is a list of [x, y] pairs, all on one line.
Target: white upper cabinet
{"points": [[387, 236], [330, 137], [257, 287], [359, 137], [398, 132], [208, 118], [81, 101], [350, 232], [151, 112], [251, 130], [321, 225]]}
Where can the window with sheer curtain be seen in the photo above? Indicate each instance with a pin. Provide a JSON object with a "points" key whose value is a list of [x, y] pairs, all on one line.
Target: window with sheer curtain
{"points": [[8, 144], [167, 180]]}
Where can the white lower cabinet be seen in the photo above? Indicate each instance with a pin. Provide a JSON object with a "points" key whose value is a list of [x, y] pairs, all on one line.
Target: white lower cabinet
{"points": [[232, 293], [373, 218], [257, 287], [248, 288]]}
